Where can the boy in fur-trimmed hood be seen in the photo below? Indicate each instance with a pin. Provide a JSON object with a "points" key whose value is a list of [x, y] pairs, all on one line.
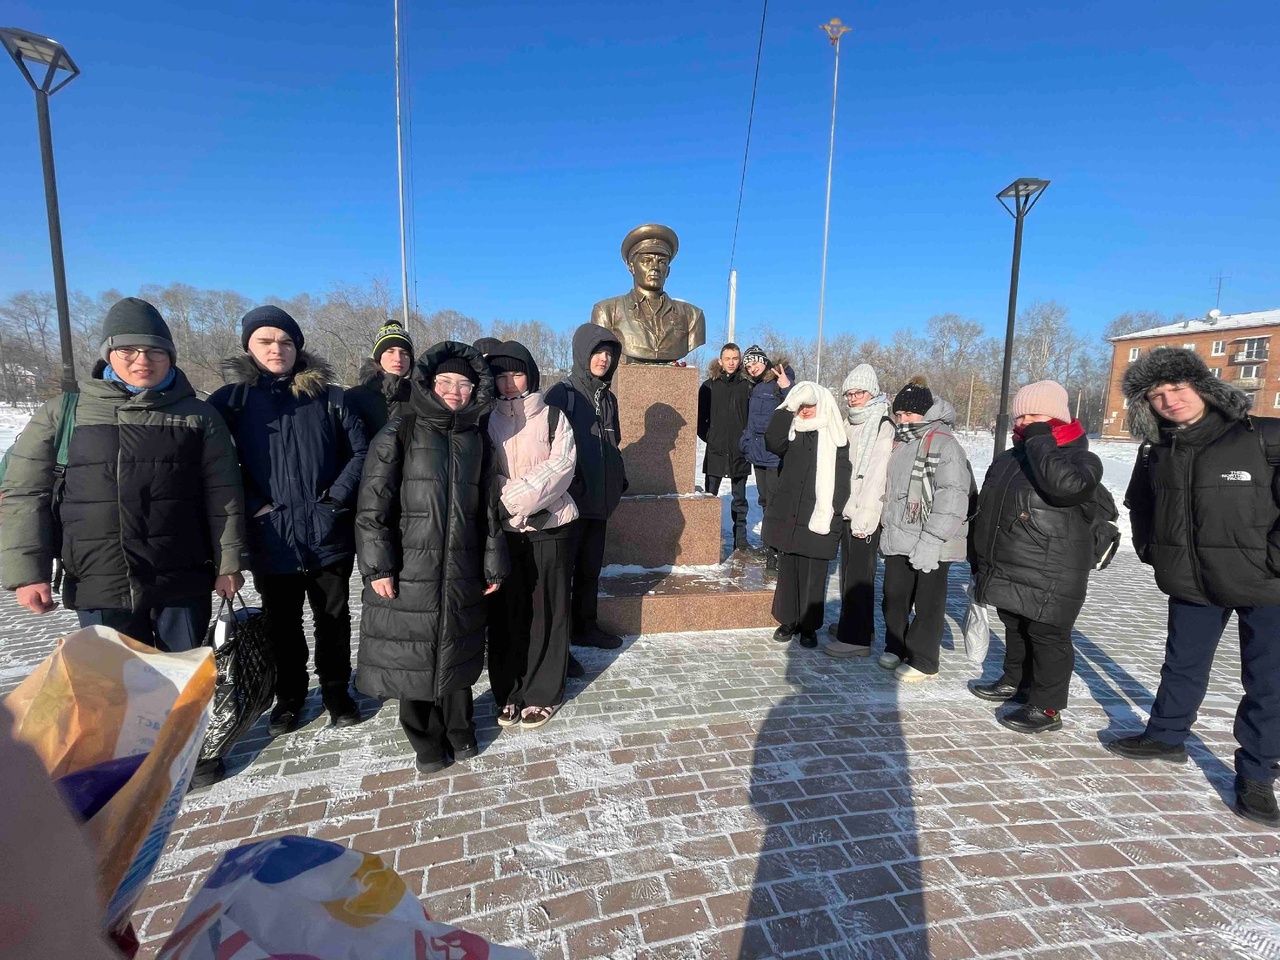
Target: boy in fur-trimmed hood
{"points": [[1204, 501], [301, 454]]}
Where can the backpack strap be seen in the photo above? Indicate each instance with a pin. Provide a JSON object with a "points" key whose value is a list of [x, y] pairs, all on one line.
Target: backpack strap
{"points": [[235, 406], [1272, 454], [553, 421], [66, 424], [569, 396]]}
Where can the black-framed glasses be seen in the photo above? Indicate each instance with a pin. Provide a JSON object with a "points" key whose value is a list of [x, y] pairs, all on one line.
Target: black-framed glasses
{"points": [[130, 354], [855, 394]]}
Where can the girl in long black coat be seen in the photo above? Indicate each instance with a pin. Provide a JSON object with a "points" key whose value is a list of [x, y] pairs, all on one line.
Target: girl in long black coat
{"points": [[802, 520], [430, 546], [1033, 542]]}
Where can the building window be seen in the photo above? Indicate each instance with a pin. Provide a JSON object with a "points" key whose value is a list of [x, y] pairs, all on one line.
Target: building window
{"points": [[1189, 346], [1249, 372], [1219, 347], [1216, 371], [1133, 354], [1126, 403], [1252, 348]]}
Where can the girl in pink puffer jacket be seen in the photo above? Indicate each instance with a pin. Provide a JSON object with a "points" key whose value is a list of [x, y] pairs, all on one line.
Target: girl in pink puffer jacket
{"points": [[534, 459]]}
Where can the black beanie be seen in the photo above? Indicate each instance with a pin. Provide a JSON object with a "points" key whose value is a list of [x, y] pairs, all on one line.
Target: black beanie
{"points": [[135, 323], [915, 397], [269, 316], [486, 345], [755, 353], [458, 365], [391, 335], [502, 364]]}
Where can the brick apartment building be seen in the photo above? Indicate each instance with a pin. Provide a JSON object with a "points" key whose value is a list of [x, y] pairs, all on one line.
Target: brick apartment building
{"points": [[1235, 346]]}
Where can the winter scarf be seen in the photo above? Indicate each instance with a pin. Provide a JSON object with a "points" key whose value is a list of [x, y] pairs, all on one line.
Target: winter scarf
{"points": [[873, 411], [923, 471], [831, 436], [111, 376]]}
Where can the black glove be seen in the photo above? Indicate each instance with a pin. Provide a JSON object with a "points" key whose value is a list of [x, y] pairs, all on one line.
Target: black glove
{"points": [[1040, 429]]}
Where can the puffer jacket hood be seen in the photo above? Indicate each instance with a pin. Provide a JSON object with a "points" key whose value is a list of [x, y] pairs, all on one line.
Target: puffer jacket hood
{"points": [[311, 374], [587, 339], [715, 371], [1176, 365], [515, 350], [941, 412], [429, 406]]}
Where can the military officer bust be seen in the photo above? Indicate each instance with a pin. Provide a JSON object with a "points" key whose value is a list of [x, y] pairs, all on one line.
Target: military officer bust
{"points": [[653, 327]]}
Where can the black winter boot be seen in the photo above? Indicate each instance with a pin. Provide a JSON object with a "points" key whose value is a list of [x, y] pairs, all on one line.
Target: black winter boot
{"points": [[286, 716], [771, 562], [343, 711], [784, 633], [208, 772], [594, 636], [574, 669], [1256, 801], [1143, 747], [999, 690], [1031, 719]]}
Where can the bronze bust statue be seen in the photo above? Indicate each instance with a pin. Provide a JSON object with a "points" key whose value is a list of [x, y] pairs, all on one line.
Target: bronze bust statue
{"points": [[653, 327]]}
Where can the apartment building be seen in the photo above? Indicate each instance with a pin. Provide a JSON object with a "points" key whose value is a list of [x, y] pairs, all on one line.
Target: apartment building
{"points": [[1235, 346]]}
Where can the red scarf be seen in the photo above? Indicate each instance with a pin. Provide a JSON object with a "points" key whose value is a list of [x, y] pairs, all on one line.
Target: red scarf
{"points": [[1063, 433]]}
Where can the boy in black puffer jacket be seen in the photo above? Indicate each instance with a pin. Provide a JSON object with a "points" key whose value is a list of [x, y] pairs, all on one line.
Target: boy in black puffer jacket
{"points": [[1204, 501]]}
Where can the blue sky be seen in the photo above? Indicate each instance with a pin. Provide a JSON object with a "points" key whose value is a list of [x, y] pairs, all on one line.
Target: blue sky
{"points": [[252, 146]]}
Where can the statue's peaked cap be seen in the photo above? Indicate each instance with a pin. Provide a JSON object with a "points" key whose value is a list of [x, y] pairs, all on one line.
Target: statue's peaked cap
{"points": [[653, 236]]}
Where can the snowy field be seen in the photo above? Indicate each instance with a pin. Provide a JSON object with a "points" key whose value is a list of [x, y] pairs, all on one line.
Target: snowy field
{"points": [[12, 420]]}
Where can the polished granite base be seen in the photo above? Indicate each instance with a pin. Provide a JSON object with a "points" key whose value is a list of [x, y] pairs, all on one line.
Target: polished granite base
{"points": [[731, 595]]}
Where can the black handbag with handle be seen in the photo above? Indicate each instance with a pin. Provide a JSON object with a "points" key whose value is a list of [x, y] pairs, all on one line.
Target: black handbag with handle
{"points": [[246, 680]]}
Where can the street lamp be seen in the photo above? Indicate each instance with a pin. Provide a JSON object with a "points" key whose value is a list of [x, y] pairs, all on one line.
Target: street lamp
{"points": [[834, 31], [1024, 193], [29, 48]]}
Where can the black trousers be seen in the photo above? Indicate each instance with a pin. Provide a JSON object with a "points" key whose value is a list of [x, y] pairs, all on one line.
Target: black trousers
{"points": [[801, 592], [918, 639], [738, 504], [858, 558], [529, 623], [171, 629], [766, 480], [584, 591], [432, 727], [327, 591], [1038, 659]]}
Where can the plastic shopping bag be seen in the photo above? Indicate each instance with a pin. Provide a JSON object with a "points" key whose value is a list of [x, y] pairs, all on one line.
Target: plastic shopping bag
{"points": [[301, 897], [976, 628], [246, 675], [118, 725]]}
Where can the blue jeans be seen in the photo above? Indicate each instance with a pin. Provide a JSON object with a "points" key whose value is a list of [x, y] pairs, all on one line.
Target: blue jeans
{"points": [[1194, 632], [171, 629]]}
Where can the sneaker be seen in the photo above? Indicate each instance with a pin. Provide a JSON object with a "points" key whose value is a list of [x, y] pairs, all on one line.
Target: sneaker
{"points": [[1143, 747], [888, 660], [343, 711], [999, 691], [1031, 719], [1256, 801], [593, 636], [905, 671], [431, 766], [285, 718], [834, 648], [575, 670], [208, 772], [784, 633], [808, 641]]}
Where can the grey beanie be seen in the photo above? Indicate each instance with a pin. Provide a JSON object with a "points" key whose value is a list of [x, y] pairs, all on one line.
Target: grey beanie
{"points": [[135, 323]]}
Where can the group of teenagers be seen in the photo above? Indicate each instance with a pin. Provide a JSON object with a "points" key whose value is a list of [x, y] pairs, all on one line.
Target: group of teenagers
{"points": [[476, 503]]}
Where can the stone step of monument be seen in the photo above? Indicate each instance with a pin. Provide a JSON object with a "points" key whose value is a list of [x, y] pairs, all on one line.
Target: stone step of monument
{"points": [[650, 531], [731, 595]]}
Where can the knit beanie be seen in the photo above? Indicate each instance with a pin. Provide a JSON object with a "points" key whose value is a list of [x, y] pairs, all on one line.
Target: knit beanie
{"points": [[269, 316], [458, 365], [486, 345], [863, 377], [755, 354], [915, 397], [135, 323], [1044, 397], [508, 365], [391, 335]]}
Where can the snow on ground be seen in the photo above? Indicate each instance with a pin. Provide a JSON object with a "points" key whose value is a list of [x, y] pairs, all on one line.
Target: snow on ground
{"points": [[12, 420]]}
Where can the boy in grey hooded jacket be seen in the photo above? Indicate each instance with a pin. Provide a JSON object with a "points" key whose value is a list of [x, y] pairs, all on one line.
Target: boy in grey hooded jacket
{"points": [[928, 500]]}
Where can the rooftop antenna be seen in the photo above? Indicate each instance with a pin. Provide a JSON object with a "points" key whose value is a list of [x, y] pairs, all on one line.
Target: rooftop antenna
{"points": [[1217, 304]]}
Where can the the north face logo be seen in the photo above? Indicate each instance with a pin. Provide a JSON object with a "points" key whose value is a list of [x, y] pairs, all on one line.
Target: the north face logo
{"points": [[1243, 476]]}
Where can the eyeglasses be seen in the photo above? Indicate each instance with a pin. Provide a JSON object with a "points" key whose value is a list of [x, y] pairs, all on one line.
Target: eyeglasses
{"points": [[856, 394], [446, 386], [130, 354]]}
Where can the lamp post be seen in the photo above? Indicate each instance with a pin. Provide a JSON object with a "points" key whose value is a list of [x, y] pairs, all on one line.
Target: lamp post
{"points": [[1024, 193], [29, 48], [834, 31]]}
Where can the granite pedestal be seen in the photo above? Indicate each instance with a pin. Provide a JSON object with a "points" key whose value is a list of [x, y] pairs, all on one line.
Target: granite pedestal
{"points": [[662, 523]]}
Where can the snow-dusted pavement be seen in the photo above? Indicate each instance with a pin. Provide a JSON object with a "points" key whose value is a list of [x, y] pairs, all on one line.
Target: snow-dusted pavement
{"points": [[718, 796]]}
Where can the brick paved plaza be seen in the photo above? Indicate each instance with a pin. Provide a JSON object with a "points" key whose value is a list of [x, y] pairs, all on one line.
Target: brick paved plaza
{"points": [[716, 795]]}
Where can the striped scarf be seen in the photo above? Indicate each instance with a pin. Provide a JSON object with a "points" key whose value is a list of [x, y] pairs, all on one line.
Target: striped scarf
{"points": [[923, 469]]}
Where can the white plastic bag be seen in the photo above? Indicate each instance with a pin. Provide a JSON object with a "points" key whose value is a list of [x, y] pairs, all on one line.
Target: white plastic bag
{"points": [[976, 628]]}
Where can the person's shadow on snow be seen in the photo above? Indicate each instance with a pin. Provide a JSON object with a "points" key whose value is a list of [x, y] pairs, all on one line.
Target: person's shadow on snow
{"points": [[839, 860]]}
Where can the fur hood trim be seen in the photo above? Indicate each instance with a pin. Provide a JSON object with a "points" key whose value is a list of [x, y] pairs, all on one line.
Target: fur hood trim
{"points": [[1175, 365], [715, 371], [771, 374], [311, 375]]}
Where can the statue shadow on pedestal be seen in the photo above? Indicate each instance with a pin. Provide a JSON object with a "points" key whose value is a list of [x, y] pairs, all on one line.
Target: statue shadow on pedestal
{"points": [[652, 452]]}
